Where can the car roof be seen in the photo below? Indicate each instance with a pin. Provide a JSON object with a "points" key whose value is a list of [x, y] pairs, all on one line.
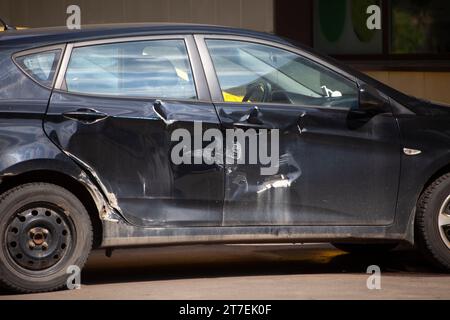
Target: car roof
{"points": [[36, 37], [55, 35]]}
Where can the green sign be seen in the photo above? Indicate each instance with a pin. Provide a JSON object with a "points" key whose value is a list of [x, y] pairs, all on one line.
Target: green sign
{"points": [[359, 19], [332, 15]]}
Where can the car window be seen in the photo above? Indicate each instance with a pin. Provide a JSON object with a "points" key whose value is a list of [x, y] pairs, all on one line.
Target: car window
{"points": [[158, 68], [251, 72], [40, 66]]}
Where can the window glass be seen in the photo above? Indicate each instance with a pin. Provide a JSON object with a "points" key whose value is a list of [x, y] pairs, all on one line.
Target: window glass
{"points": [[420, 26], [157, 68], [40, 66], [250, 72]]}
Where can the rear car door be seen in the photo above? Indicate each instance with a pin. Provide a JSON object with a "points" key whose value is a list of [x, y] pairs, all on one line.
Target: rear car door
{"points": [[334, 168], [114, 110]]}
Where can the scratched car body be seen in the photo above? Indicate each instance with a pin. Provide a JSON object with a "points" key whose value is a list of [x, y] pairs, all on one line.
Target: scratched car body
{"points": [[85, 138]]}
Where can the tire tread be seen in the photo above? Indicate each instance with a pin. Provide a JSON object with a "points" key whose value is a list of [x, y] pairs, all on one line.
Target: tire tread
{"points": [[10, 285], [422, 237]]}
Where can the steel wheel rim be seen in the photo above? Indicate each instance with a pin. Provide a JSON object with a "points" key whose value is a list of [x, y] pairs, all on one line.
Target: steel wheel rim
{"points": [[38, 237], [444, 222]]}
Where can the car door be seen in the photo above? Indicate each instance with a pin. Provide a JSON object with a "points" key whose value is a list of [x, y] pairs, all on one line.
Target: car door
{"points": [[115, 109], [337, 165]]}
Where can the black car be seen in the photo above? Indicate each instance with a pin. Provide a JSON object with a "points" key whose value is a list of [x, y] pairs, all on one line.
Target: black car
{"points": [[87, 125]]}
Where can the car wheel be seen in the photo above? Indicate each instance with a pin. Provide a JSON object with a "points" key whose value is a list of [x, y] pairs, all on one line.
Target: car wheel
{"points": [[433, 222], [44, 230], [369, 248]]}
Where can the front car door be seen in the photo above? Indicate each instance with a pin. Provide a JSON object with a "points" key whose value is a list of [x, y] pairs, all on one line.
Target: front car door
{"points": [[333, 169], [116, 106]]}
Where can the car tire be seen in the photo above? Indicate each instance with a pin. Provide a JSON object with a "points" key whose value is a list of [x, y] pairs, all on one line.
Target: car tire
{"points": [[45, 235], [366, 249], [432, 227]]}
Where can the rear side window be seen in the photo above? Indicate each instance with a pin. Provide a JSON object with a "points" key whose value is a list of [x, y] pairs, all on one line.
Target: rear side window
{"points": [[40, 66], [155, 68]]}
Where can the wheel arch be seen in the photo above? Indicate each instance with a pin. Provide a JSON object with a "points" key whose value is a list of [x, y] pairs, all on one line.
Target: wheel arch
{"points": [[428, 180], [65, 180], [443, 170]]}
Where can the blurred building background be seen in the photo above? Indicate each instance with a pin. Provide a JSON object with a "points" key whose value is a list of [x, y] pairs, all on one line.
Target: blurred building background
{"points": [[411, 52]]}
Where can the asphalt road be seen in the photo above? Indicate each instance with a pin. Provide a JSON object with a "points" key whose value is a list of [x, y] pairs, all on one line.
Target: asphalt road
{"points": [[251, 272]]}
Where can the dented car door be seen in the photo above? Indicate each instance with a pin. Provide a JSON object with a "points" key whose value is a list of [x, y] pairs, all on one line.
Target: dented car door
{"points": [[116, 106], [335, 165]]}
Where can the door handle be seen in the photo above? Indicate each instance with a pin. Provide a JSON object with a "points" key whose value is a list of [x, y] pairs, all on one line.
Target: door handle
{"points": [[252, 120], [85, 115], [254, 117]]}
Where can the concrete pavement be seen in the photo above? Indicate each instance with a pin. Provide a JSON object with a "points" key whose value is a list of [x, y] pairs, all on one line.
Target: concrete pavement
{"points": [[251, 272]]}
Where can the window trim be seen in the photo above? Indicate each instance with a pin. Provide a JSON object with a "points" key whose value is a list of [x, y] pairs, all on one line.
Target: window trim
{"points": [[211, 75], [283, 105], [61, 47], [201, 89]]}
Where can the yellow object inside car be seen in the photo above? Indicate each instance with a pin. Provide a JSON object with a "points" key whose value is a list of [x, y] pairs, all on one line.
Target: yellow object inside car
{"points": [[229, 97]]}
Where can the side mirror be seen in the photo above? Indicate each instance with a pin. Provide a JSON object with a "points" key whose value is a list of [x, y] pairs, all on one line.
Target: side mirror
{"points": [[372, 101]]}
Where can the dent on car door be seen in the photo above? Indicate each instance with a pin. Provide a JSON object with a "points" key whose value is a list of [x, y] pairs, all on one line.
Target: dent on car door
{"points": [[335, 167], [115, 113]]}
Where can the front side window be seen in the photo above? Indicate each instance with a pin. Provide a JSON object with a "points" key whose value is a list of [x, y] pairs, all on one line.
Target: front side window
{"points": [[40, 66], [158, 69], [251, 72]]}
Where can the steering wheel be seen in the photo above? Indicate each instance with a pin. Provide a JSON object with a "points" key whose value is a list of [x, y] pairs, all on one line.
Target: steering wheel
{"points": [[258, 92]]}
